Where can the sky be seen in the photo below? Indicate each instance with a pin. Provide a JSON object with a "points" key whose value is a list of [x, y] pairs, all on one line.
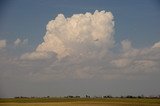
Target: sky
{"points": [[79, 47]]}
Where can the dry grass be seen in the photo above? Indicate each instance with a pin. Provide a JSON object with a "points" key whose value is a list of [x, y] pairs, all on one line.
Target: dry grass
{"points": [[79, 102]]}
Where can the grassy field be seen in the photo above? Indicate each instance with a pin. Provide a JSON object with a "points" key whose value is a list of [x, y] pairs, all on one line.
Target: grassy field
{"points": [[79, 102]]}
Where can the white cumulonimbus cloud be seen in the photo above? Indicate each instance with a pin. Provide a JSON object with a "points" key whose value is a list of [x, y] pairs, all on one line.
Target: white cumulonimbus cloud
{"points": [[80, 34], [2, 44], [81, 47]]}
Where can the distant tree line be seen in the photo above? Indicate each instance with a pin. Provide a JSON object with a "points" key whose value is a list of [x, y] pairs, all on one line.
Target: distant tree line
{"points": [[87, 96]]}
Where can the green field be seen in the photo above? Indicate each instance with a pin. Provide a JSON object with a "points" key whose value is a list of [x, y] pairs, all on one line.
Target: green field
{"points": [[79, 102]]}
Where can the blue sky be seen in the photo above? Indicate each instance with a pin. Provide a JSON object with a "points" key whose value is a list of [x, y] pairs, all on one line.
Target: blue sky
{"points": [[134, 19], [28, 64]]}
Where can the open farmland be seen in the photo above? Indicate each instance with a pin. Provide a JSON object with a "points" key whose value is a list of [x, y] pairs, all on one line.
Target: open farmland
{"points": [[79, 102]]}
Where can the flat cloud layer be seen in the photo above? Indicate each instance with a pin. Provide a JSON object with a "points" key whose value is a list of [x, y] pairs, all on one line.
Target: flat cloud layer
{"points": [[81, 47]]}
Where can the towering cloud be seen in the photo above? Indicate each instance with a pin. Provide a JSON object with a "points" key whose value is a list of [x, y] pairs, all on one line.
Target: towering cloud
{"points": [[2, 44], [80, 34], [81, 47]]}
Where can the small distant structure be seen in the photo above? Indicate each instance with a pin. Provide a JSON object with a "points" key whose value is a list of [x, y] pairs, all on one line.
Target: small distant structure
{"points": [[87, 96], [70, 96], [108, 96]]}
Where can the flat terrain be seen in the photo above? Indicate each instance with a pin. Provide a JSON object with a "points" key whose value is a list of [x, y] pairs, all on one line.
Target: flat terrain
{"points": [[79, 102]]}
